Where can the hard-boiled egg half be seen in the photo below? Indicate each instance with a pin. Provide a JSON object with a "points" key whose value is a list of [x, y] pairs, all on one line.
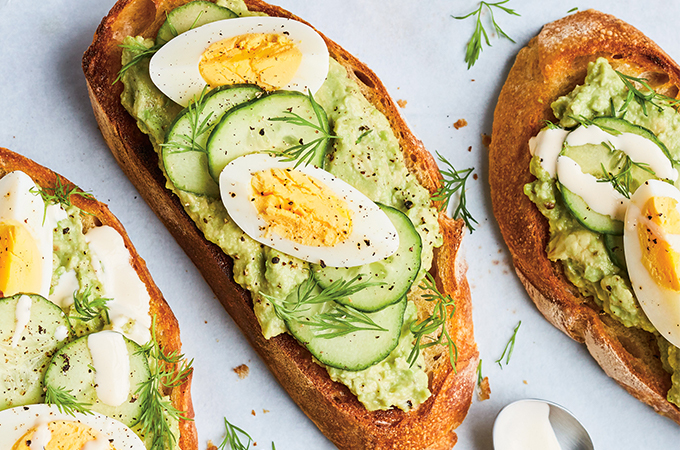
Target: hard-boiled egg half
{"points": [[44, 427], [272, 52], [652, 246], [25, 237], [305, 212]]}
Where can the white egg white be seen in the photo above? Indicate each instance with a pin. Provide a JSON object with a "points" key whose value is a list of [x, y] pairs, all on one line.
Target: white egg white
{"points": [[174, 68], [660, 304], [21, 204], [369, 223], [15, 422]]}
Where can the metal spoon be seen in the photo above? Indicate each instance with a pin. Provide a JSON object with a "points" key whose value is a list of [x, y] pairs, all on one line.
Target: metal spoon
{"points": [[539, 424]]}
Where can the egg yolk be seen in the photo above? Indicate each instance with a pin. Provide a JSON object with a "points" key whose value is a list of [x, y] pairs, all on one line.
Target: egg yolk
{"points": [[300, 208], [63, 435], [268, 60], [660, 259], [20, 260]]}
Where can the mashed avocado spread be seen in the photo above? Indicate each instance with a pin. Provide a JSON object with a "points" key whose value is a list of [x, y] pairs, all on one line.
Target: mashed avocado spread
{"points": [[582, 252], [372, 162]]}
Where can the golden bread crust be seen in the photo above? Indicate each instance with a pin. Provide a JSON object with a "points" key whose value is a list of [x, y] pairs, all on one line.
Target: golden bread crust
{"points": [[167, 328], [550, 66], [330, 405]]}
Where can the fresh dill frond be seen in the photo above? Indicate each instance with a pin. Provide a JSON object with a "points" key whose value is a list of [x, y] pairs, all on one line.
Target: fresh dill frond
{"points": [[642, 98], [480, 378], [167, 371], [509, 347], [474, 46], [550, 125], [303, 153], [142, 52], [621, 181], [89, 306], [575, 8], [363, 135], [59, 194], [198, 126], [65, 401], [444, 309], [233, 438], [340, 320], [454, 181]]}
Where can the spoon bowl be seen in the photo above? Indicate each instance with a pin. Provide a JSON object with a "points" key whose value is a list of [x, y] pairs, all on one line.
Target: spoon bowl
{"points": [[539, 424]]}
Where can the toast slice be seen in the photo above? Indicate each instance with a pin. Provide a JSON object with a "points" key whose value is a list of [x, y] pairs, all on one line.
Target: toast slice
{"points": [[166, 325], [330, 405], [550, 66]]}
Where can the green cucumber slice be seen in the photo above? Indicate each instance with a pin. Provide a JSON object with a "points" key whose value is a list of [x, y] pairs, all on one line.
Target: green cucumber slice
{"points": [[187, 168], [247, 128], [22, 366], [71, 368], [354, 351], [590, 219], [614, 245], [397, 272], [190, 16]]}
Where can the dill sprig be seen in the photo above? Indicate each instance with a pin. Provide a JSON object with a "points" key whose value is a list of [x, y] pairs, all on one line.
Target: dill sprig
{"points": [[509, 347], [363, 135], [480, 378], [550, 125], [445, 308], [198, 125], [233, 436], [89, 306], [303, 153], [59, 194], [474, 46], [454, 181], [339, 321], [142, 52], [65, 401], [621, 181], [642, 98], [167, 371]]}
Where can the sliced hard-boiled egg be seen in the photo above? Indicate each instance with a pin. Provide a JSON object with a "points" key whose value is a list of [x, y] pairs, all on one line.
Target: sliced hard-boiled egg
{"points": [[272, 52], [25, 237], [652, 249], [45, 427], [305, 212]]}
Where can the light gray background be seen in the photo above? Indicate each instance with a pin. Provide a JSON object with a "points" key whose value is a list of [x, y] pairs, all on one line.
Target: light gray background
{"points": [[417, 49]]}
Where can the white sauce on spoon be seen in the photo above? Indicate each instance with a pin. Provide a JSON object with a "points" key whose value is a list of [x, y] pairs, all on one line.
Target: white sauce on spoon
{"points": [[525, 425]]}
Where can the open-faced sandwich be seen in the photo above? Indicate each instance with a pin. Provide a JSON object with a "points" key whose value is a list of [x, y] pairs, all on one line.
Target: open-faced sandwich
{"points": [[583, 169], [90, 349], [285, 171]]}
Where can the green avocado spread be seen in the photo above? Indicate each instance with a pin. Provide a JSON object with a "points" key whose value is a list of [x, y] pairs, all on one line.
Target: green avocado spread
{"points": [[582, 252], [372, 162]]}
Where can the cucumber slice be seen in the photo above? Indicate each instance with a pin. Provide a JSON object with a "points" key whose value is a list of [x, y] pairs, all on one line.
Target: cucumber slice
{"points": [[71, 368], [248, 129], [397, 272], [354, 351], [188, 169], [590, 219], [190, 16], [614, 245], [22, 367]]}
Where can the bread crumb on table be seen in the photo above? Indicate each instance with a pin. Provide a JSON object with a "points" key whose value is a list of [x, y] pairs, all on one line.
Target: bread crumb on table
{"points": [[460, 123], [242, 371], [484, 391], [402, 103]]}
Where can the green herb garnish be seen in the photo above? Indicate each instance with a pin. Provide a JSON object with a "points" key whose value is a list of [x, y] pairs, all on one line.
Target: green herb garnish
{"points": [[303, 153], [643, 98], [572, 10], [621, 180], [550, 125], [198, 127], [444, 309], [586, 122], [454, 181], [480, 378], [142, 52], [88, 306], [339, 321], [233, 437], [65, 401], [363, 135], [59, 194], [474, 46], [167, 371], [509, 347]]}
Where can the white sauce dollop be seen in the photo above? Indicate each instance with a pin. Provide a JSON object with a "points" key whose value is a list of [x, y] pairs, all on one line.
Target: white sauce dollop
{"points": [[111, 362], [547, 145], [41, 437]]}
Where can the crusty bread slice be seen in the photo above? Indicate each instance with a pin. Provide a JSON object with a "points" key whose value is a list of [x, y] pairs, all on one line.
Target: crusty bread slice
{"points": [[167, 327], [551, 65], [330, 405]]}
